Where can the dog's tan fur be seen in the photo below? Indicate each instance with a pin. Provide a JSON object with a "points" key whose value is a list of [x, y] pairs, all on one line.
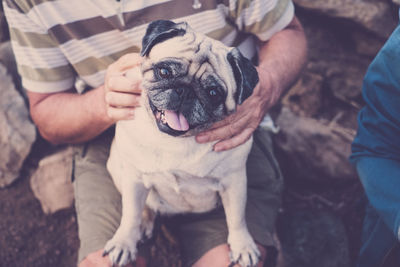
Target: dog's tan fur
{"points": [[177, 174]]}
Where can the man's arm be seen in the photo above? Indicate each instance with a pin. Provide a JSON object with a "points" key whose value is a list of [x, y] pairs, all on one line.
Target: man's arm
{"points": [[68, 117], [281, 61]]}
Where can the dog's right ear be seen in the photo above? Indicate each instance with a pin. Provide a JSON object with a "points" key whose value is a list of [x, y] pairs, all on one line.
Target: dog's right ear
{"points": [[245, 74], [159, 31]]}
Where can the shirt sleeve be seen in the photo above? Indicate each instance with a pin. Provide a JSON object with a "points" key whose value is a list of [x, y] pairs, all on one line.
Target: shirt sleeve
{"points": [[41, 64], [262, 18]]}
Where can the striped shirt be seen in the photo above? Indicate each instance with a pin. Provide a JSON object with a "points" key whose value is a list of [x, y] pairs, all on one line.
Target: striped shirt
{"points": [[57, 41]]}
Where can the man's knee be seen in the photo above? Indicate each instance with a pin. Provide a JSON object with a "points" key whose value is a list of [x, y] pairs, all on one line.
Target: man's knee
{"points": [[96, 259]]}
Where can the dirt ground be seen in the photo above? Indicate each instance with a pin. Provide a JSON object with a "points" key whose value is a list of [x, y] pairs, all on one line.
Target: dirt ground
{"points": [[30, 238]]}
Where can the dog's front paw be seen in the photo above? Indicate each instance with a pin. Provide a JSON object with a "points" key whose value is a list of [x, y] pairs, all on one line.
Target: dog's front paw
{"points": [[243, 250], [121, 251]]}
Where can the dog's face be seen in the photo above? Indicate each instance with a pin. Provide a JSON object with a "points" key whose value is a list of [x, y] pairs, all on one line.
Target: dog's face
{"points": [[192, 81]]}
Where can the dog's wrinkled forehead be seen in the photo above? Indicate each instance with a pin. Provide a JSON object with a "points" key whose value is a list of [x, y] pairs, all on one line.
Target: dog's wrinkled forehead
{"points": [[167, 34], [194, 46]]}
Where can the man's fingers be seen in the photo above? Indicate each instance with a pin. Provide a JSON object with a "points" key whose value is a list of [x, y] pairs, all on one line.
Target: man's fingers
{"points": [[213, 134], [220, 124], [126, 62], [240, 113], [122, 93], [115, 99], [227, 129], [122, 84], [234, 141], [120, 113]]}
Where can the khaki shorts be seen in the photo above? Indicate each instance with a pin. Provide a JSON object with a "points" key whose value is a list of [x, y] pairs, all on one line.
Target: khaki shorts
{"points": [[98, 203]]}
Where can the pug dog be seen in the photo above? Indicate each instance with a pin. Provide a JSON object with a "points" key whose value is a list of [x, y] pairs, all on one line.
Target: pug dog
{"points": [[190, 81]]}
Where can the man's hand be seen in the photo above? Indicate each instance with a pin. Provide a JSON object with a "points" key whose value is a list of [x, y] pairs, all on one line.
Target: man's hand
{"points": [[280, 64], [239, 126], [122, 94]]}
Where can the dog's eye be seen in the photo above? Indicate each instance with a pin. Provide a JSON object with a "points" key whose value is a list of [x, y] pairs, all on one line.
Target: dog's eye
{"points": [[164, 73], [214, 95], [213, 92]]}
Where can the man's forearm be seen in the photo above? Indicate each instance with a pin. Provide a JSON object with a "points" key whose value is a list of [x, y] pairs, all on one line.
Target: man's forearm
{"points": [[281, 60], [69, 117]]}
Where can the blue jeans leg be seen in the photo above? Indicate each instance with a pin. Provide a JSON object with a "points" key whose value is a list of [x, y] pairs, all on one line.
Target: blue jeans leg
{"points": [[381, 180], [377, 240]]}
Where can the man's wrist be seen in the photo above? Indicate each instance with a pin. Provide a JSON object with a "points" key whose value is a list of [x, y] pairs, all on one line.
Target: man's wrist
{"points": [[269, 87]]}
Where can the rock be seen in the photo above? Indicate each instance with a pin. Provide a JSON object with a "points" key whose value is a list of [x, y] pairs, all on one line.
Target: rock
{"points": [[313, 149], [7, 58], [313, 238], [51, 182], [376, 16], [365, 45], [345, 82], [334, 56], [322, 96], [305, 96], [319, 116], [17, 133], [4, 34]]}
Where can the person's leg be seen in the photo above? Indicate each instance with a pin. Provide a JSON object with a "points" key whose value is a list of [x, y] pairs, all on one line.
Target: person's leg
{"points": [[97, 201], [377, 240], [96, 259], [381, 180], [203, 237]]}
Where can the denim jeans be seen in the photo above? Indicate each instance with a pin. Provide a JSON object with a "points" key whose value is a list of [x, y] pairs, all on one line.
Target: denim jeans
{"points": [[381, 180]]}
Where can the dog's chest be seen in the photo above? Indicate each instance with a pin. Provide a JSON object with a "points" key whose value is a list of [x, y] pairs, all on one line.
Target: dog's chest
{"points": [[177, 192]]}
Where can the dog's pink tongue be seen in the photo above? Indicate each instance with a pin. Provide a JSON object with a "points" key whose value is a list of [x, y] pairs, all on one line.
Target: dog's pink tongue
{"points": [[176, 121]]}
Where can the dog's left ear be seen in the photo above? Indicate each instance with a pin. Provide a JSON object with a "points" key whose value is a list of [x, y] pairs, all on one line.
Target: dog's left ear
{"points": [[159, 31], [245, 73]]}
